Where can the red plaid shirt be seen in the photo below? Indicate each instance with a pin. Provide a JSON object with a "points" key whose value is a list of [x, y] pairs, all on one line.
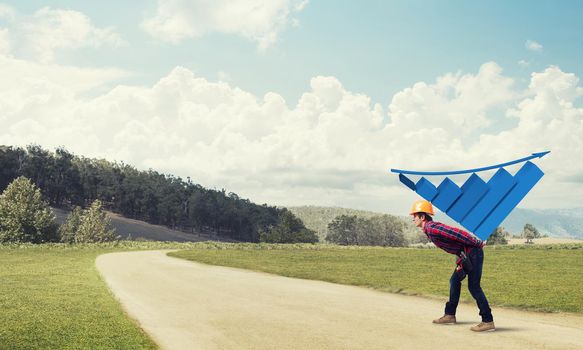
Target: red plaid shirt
{"points": [[451, 239]]}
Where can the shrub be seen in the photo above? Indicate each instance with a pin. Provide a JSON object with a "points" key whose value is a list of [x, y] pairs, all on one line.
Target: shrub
{"points": [[94, 226], [499, 236], [68, 230], [24, 215]]}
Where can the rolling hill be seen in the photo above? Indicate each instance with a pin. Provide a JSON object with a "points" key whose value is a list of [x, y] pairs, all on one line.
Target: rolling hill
{"points": [[139, 230], [560, 223], [318, 218]]}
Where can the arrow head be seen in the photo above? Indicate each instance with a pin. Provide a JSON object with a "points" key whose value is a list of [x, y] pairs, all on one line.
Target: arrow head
{"points": [[541, 154]]}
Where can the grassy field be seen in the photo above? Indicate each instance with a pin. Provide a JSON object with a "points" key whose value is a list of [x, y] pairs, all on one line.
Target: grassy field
{"points": [[52, 297], [542, 278]]}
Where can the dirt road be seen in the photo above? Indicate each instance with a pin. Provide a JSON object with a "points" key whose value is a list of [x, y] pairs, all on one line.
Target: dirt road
{"points": [[186, 305]]}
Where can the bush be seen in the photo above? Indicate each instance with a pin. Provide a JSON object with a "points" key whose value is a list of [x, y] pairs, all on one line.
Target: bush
{"points": [[24, 215], [68, 230], [499, 236], [94, 226]]}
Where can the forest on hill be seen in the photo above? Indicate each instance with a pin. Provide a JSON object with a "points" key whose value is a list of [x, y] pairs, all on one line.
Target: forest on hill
{"points": [[319, 218], [67, 180]]}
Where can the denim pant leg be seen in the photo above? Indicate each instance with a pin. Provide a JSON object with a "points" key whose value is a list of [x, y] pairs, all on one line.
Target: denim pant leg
{"points": [[455, 287], [474, 277]]}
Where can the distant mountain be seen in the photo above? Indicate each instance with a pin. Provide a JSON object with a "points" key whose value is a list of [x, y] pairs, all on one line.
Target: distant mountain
{"points": [[560, 223], [563, 223]]}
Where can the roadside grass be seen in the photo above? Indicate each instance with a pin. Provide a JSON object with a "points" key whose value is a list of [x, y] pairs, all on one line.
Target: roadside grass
{"points": [[52, 297], [539, 278]]}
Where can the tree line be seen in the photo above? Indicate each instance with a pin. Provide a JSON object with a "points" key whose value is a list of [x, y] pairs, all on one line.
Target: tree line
{"points": [[380, 230], [67, 181], [529, 232]]}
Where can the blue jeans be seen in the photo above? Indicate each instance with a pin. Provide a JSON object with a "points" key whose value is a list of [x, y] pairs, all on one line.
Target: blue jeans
{"points": [[455, 285]]}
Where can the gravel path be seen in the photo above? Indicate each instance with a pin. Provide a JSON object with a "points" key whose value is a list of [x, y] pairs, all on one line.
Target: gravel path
{"points": [[185, 305]]}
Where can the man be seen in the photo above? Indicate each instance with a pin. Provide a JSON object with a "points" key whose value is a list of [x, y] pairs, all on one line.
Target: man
{"points": [[463, 244]]}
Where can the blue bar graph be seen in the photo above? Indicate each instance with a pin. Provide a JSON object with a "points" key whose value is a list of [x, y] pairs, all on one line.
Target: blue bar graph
{"points": [[447, 193], [426, 189], [525, 178], [499, 185], [472, 191], [479, 206], [407, 182]]}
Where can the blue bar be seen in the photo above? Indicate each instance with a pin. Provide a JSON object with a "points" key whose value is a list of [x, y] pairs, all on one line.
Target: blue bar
{"points": [[408, 182], [526, 178], [472, 191], [447, 193], [499, 185], [426, 189]]}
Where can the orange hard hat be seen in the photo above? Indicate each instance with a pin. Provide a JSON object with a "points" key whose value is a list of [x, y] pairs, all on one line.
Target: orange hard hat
{"points": [[422, 206]]}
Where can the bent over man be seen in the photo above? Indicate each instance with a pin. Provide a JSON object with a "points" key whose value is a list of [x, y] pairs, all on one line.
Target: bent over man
{"points": [[468, 249]]}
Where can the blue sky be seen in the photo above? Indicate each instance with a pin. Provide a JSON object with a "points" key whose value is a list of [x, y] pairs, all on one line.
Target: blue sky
{"points": [[373, 47], [464, 83]]}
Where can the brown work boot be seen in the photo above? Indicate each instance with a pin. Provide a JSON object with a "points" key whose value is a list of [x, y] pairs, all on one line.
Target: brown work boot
{"points": [[484, 327], [445, 319]]}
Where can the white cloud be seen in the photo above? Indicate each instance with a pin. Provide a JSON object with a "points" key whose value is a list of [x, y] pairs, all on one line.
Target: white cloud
{"points": [[7, 12], [460, 103], [48, 31], [5, 44], [300, 5], [40, 93], [333, 147], [532, 45], [548, 120], [523, 63], [21, 74], [564, 86], [257, 20]]}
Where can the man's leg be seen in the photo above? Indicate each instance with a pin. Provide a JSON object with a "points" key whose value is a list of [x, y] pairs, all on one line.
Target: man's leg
{"points": [[474, 278], [455, 287]]}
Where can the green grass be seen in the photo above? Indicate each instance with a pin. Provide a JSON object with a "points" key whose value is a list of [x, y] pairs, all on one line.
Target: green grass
{"points": [[52, 297], [542, 278]]}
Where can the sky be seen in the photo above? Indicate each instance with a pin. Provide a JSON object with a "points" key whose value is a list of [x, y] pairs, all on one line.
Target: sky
{"points": [[298, 102]]}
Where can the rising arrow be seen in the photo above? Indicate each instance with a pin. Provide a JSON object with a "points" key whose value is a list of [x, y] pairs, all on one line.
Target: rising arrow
{"points": [[411, 172]]}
